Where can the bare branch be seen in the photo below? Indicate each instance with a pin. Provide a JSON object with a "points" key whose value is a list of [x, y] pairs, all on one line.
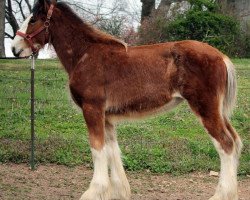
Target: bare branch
{"points": [[19, 3], [29, 5], [81, 8], [10, 17], [9, 36], [95, 10]]}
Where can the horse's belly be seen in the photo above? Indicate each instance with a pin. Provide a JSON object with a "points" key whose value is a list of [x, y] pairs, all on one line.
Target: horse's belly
{"points": [[140, 111]]}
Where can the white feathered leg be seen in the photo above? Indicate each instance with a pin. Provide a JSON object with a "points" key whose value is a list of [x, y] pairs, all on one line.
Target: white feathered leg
{"points": [[119, 182], [227, 188], [99, 188]]}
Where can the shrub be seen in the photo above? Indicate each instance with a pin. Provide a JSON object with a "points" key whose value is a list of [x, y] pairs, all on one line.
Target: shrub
{"points": [[218, 30]]}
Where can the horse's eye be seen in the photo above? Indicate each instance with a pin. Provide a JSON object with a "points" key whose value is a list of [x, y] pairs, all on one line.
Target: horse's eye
{"points": [[32, 20]]}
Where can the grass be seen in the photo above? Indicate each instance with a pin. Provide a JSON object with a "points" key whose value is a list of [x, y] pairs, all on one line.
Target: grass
{"points": [[174, 142]]}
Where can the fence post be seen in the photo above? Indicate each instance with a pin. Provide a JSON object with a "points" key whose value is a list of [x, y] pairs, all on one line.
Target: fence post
{"points": [[32, 116]]}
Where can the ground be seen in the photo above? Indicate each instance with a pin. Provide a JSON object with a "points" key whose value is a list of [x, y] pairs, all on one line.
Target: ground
{"points": [[57, 182], [174, 142]]}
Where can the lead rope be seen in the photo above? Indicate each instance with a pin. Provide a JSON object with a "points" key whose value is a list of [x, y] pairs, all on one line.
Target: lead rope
{"points": [[32, 114]]}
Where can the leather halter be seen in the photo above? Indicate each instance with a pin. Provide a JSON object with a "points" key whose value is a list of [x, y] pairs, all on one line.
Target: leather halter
{"points": [[28, 37]]}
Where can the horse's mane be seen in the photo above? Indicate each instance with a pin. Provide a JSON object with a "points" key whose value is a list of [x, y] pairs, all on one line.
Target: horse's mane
{"points": [[93, 33]]}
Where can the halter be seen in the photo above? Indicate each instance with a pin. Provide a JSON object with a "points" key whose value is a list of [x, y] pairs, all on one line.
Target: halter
{"points": [[28, 37]]}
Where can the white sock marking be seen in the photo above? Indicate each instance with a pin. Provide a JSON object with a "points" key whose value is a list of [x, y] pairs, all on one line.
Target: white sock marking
{"points": [[99, 187], [119, 182], [227, 187]]}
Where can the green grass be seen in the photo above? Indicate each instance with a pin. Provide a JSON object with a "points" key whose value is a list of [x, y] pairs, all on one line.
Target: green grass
{"points": [[174, 142]]}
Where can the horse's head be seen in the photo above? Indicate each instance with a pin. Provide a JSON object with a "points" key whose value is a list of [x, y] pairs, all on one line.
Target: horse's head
{"points": [[34, 32]]}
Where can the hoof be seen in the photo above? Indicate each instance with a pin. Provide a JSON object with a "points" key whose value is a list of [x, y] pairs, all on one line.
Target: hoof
{"points": [[224, 197], [120, 190], [215, 197], [96, 192]]}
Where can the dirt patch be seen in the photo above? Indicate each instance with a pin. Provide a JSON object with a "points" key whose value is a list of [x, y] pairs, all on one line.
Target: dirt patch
{"points": [[53, 182]]}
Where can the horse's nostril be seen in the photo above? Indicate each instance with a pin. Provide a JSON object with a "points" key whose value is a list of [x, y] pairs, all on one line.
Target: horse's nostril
{"points": [[16, 54]]}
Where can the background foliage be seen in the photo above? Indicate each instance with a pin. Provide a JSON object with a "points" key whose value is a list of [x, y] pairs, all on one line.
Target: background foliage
{"points": [[202, 21]]}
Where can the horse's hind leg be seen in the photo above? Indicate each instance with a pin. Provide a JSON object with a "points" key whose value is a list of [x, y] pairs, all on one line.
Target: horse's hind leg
{"points": [[120, 188], [226, 141]]}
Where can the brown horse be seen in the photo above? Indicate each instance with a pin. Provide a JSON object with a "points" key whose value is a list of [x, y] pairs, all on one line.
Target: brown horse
{"points": [[111, 82]]}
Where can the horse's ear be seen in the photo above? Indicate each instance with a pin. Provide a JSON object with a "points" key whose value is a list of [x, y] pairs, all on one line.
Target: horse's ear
{"points": [[44, 4]]}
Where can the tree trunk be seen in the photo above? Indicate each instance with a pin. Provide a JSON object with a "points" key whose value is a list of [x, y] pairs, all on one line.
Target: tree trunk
{"points": [[228, 6], [147, 7], [222, 4], [164, 5], [2, 27]]}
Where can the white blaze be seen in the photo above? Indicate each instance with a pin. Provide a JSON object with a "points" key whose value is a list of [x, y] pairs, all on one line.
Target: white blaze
{"points": [[19, 44]]}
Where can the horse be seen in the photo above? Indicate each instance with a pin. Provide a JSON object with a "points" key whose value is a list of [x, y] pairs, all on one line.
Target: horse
{"points": [[112, 82]]}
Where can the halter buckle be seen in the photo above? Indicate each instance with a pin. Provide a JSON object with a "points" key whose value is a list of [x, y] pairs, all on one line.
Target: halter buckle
{"points": [[28, 37], [46, 24]]}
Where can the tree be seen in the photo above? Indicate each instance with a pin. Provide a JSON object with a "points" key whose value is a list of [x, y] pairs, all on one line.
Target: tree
{"points": [[95, 13], [230, 5], [151, 28], [147, 7], [16, 11], [2, 27], [165, 4]]}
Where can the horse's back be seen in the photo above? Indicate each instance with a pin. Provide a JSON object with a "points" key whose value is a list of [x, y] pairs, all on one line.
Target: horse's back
{"points": [[194, 46], [189, 68], [193, 62]]}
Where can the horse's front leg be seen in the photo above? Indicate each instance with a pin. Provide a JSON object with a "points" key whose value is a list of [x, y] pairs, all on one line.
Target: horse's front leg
{"points": [[99, 188]]}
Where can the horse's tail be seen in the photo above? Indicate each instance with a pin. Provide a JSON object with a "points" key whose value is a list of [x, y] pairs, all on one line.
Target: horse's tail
{"points": [[231, 89]]}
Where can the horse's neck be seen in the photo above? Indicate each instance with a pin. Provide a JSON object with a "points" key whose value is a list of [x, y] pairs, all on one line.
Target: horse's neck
{"points": [[70, 44], [71, 38]]}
